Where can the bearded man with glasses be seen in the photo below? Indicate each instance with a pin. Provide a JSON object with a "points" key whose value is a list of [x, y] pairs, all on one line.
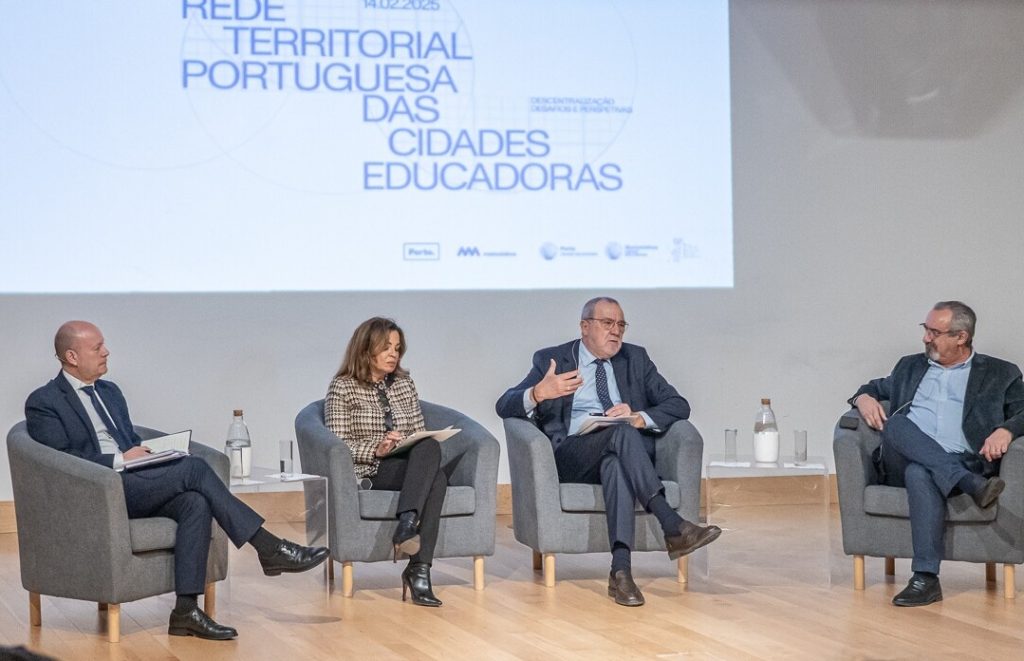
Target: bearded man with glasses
{"points": [[600, 375], [953, 414]]}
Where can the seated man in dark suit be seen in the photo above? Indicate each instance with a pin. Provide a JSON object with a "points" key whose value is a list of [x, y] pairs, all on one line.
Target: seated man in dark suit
{"points": [[953, 415], [599, 374], [79, 414]]}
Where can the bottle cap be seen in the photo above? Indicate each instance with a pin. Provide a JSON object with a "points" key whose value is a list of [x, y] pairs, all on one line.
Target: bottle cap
{"points": [[764, 402], [238, 412]]}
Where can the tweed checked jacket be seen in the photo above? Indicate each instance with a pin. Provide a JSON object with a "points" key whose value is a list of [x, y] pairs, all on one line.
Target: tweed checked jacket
{"points": [[352, 410]]}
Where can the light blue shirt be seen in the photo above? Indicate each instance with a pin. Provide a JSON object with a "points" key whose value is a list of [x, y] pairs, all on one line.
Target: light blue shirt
{"points": [[585, 400], [938, 406]]}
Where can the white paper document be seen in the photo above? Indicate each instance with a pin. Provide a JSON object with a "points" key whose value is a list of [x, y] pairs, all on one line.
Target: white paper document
{"points": [[601, 421], [176, 441], [416, 437]]}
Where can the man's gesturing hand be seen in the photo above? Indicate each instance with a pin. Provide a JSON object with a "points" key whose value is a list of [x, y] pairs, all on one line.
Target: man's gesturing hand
{"points": [[553, 386]]}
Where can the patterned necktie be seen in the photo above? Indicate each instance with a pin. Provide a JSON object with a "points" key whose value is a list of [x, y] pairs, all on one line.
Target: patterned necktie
{"points": [[601, 379], [114, 432]]}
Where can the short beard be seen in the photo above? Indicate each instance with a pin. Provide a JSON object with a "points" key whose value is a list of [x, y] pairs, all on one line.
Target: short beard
{"points": [[931, 352]]}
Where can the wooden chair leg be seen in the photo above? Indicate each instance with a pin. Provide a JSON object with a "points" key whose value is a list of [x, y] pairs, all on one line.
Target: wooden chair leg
{"points": [[346, 579], [549, 570], [35, 614], [1009, 582], [114, 623], [101, 606], [210, 599], [536, 561], [890, 565], [858, 572], [330, 569], [990, 572], [478, 572], [683, 569]]}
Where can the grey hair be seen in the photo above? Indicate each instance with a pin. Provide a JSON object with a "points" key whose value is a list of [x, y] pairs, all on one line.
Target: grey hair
{"points": [[964, 318], [588, 307]]}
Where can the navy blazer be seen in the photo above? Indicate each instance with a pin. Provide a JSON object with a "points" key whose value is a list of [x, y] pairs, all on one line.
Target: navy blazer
{"points": [[55, 417], [994, 397], [640, 385]]}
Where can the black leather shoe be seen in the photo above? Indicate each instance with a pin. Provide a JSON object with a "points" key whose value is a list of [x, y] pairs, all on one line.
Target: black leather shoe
{"points": [[989, 493], [194, 622], [291, 557], [407, 535], [625, 591], [690, 538], [920, 591], [416, 579]]}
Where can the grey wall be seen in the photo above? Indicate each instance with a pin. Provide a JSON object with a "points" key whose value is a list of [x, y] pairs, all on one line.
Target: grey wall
{"points": [[878, 167]]}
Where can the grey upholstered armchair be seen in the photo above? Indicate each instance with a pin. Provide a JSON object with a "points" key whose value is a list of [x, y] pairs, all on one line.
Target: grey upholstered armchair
{"points": [[75, 539], [363, 521], [555, 518], [875, 517]]}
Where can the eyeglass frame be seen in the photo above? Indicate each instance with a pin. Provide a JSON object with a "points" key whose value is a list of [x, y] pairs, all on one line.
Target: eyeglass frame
{"points": [[608, 324], [934, 332]]}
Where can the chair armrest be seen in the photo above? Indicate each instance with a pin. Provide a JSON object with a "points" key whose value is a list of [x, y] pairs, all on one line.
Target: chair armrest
{"points": [[321, 452], [470, 458], [1010, 517], [60, 497], [855, 470], [217, 460], [679, 453]]}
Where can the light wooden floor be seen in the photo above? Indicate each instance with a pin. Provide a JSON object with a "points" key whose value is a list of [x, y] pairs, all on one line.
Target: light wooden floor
{"points": [[767, 597]]}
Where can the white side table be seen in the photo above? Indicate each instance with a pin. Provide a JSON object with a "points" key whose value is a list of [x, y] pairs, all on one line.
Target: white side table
{"points": [[765, 525]]}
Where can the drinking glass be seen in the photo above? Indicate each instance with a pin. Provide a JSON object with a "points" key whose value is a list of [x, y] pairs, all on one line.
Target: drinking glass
{"points": [[800, 445], [287, 449], [730, 445]]}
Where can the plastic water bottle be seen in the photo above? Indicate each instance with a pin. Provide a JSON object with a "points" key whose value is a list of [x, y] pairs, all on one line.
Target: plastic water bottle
{"points": [[766, 434], [239, 447]]}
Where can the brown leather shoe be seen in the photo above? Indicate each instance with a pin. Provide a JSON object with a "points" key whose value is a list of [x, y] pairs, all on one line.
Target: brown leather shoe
{"points": [[625, 591], [690, 538]]}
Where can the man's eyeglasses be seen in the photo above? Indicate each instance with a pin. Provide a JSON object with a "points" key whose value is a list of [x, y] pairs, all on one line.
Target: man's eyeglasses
{"points": [[935, 332], [608, 324]]}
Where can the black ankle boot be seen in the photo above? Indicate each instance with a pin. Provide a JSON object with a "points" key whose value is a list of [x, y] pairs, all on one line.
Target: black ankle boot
{"points": [[416, 579], [407, 535]]}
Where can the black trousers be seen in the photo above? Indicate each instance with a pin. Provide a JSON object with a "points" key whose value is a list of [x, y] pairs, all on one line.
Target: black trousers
{"points": [[190, 493], [418, 476], [621, 460]]}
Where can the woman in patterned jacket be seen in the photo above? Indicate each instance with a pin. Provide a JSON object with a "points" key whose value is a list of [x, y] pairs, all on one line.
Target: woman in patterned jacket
{"points": [[372, 405]]}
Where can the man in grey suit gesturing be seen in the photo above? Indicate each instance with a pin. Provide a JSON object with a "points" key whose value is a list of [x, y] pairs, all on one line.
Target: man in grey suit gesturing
{"points": [[954, 413], [598, 374]]}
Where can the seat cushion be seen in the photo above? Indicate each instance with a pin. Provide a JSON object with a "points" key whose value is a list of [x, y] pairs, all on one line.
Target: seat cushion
{"points": [[589, 497], [152, 533], [373, 504], [892, 501]]}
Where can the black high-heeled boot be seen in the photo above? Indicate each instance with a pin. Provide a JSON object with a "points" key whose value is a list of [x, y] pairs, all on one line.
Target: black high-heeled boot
{"points": [[407, 535], [416, 579]]}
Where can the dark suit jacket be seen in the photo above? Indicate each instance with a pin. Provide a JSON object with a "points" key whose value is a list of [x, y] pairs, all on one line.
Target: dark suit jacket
{"points": [[55, 416], [994, 396], [638, 380]]}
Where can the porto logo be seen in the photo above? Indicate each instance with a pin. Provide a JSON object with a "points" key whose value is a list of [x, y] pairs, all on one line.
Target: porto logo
{"points": [[468, 251]]}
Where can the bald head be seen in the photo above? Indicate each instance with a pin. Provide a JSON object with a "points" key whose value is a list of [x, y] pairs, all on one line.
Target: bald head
{"points": [[80, 348]]}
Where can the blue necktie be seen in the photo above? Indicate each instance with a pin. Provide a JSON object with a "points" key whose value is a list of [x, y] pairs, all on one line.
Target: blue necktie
{"points": [[601, 379], [122, 442]]}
